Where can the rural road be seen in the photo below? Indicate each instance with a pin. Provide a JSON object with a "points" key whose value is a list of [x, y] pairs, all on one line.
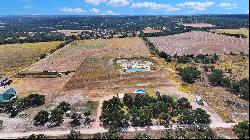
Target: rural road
{"points": [[216, 123], [89, 131]]}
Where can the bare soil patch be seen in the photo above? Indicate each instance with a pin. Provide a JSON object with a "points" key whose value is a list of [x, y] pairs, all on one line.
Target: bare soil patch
{"points": [[23, 86]]}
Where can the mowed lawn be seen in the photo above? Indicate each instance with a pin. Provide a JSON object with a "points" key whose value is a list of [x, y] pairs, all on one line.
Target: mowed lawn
{"points": [[14, 57]]}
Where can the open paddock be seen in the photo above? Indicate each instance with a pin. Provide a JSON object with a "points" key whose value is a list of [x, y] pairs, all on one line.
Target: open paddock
{"points": [[198, 42], [71, 56], [103, 75], [24, 86]]}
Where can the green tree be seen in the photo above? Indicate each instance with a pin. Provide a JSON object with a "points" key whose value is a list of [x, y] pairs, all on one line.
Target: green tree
{"points": [[41, 118], [140, 117], [164, 118], [128, 100], [64, 106], [216, 78], [74, 135], [113, 115], [183, 103], [36, 100], [201, 116], [242, 130], [56, 117], [187, 117], [189, 74], [76, 121]]}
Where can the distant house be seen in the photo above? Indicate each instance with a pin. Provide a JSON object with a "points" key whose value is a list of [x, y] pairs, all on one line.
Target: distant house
{"points": [[7, 95], [5, 81], [139, 91]]}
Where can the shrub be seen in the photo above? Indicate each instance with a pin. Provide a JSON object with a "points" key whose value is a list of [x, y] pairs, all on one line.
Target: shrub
{"points": [[42, 56], [64, 106], [242, 130], [41, 118], [1, 124], [39, 136], [56, 117], [216, 78], [189, 74], [74, 135], [201, 116]]}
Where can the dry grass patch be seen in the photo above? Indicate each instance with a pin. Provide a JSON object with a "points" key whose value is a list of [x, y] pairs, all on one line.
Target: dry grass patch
{"points": [[244, 31], [104, 75], [15, 57]]}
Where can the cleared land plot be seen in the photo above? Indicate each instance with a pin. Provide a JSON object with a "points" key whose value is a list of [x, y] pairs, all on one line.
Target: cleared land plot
{"points": [[23, 86], [15, 57], [101, 74], [71, 56], [70, 32], [150, 30], [244, 31], [198, 42], [198, 25]]}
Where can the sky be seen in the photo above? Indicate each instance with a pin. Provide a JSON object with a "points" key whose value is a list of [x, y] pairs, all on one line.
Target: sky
{"points": [[123, 7]]}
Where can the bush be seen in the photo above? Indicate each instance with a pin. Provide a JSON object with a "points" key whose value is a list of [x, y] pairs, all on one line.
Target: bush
{"points": [[201, 117], [76, 121], [1, 124], [56, 117], [189, 74], [165, 56], [41, 118], [242, 130], [64, 106], [39, 136], [74, 135], [42, 56], [216, 78], [36, 100], [183, 59], [140, 117]]}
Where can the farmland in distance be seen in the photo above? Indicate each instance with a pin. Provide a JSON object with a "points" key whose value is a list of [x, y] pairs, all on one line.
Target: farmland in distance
{"points": [[197, 42]]}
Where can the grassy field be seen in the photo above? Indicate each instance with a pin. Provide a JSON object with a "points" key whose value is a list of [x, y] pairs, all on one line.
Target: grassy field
{"points": [[244, 31], [15, 57]]}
